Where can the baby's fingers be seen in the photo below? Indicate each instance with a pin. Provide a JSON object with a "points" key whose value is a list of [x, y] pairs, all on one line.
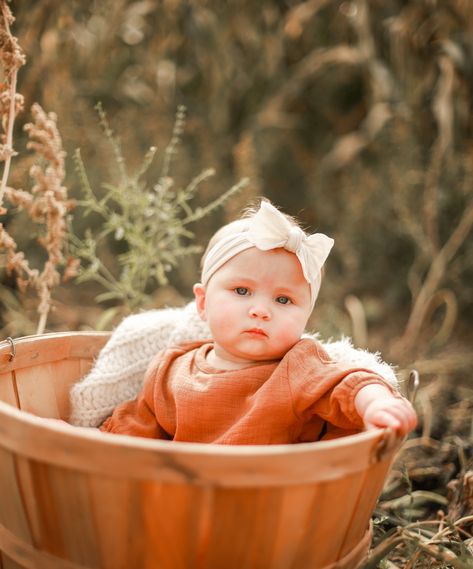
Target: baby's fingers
{"points": [[405, 413], [399, 415], [384, 419]]}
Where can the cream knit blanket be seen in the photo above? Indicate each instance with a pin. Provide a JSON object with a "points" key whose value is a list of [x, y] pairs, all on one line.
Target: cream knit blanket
{"points": [[118, 372]]}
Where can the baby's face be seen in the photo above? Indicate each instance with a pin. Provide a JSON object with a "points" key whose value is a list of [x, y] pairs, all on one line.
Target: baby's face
{"points": [[257, 306]]}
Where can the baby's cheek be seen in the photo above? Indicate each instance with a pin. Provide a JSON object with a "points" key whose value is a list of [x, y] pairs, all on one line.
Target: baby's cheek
{"points": [[289, 335], [223, 322], [295, 326]]}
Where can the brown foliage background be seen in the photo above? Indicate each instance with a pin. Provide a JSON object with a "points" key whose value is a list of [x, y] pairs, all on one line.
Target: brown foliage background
{"points": [[354, 116]]}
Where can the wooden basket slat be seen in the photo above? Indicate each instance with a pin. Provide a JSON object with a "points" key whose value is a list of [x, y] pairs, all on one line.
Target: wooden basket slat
{"points": [[63, 520], [254, 511], [36, 391], [47, 532], [12, 512], [85, 365], [64, 374], [7, 390], [330, 521], [32, 351], [83, 347], [118, 521], [372, 487], [29, 557], [164, 533], [32, 499], [44, 390], [295, 513], [8, 563], [265, 524], [75, 529]]}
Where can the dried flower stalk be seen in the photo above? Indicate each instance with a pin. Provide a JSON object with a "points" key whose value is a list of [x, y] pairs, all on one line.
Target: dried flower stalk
{"points": [[47, 204], [11, 58]]}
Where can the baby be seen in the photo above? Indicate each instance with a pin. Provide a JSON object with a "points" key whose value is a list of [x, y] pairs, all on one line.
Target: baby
{"points": [[257, 381]]}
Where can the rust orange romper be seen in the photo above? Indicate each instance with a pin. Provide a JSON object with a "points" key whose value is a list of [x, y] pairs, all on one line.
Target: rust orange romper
{"points": [[303, 397]]}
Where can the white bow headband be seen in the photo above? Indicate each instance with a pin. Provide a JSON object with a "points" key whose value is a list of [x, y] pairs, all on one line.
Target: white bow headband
{"points": [[270, 229]]}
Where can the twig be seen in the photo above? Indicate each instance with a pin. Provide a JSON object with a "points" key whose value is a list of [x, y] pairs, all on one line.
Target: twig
{"points": [[434, 276], [9, 137], [12, 59], [357, 314], [443, 113]]}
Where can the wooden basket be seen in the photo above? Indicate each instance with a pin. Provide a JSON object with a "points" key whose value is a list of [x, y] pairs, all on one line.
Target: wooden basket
{"points": [[76, 498]]}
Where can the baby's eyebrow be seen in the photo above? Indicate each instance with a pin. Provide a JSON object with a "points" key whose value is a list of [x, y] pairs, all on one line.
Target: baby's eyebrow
{"points": [[242, 279], [245, 280]]}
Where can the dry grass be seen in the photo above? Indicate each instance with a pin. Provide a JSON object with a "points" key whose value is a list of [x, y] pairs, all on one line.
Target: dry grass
{"points": [[46, 204], [425, 515]]}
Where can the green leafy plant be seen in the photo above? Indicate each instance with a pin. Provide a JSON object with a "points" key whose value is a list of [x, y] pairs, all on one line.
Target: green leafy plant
{"points": [[148, 222]]}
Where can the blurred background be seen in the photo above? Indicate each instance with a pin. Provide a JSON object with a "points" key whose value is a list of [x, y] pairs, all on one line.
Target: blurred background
{"points": [[355, 116]]}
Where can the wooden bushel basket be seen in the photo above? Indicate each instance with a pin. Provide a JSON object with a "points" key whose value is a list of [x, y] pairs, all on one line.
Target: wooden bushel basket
{"points": [[76, 498]]}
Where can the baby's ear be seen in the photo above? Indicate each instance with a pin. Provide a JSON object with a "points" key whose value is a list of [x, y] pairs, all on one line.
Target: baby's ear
{"points": [[199, 293]]}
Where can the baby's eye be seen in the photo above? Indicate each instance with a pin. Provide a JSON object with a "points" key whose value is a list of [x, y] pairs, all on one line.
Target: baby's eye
{"points": [[283, 300], [241, 290]]}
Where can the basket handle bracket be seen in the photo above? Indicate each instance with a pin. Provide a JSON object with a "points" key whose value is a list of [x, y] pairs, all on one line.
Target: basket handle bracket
{"points": [[12, 355]]}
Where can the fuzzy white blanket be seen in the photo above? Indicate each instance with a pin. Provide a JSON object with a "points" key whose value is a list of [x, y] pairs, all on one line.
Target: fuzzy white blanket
{"points": [[118, 372]]}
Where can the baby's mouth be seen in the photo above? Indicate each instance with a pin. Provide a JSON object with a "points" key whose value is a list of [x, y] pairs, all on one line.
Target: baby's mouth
{"points": [[257, 332]]}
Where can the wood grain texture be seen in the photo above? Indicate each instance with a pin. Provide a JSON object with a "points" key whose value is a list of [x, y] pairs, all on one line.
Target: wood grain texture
{"points": [[12, 511], [7, 388], [17, 553], [8, 563], [44, 389], [118, 521]]}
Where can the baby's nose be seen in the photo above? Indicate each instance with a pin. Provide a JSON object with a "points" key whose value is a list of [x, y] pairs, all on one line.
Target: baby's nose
{"points": [[260, 311]]}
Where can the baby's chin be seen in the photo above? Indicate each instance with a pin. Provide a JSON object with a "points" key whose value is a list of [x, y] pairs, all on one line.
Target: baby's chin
{"points": [[227, 360], [255, 357], [267, 353]]}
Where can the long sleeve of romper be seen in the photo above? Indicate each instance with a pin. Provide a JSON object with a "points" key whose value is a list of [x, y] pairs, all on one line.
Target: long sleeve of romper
{"points": [[327, 389]]}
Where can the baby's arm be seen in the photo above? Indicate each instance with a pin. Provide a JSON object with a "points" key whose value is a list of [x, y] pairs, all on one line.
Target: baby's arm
{"points": [[344, 352], [378, 407]]}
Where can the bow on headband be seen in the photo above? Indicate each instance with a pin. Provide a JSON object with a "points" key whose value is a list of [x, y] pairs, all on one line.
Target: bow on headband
{"points": [[270, 229]]}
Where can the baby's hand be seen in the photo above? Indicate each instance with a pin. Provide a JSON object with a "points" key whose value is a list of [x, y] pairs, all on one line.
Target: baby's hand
{"points": [[392, 412], [378, 407]]}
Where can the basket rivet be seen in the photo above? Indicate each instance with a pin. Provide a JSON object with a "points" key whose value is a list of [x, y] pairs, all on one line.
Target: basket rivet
{"points": [[13, 348]]}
